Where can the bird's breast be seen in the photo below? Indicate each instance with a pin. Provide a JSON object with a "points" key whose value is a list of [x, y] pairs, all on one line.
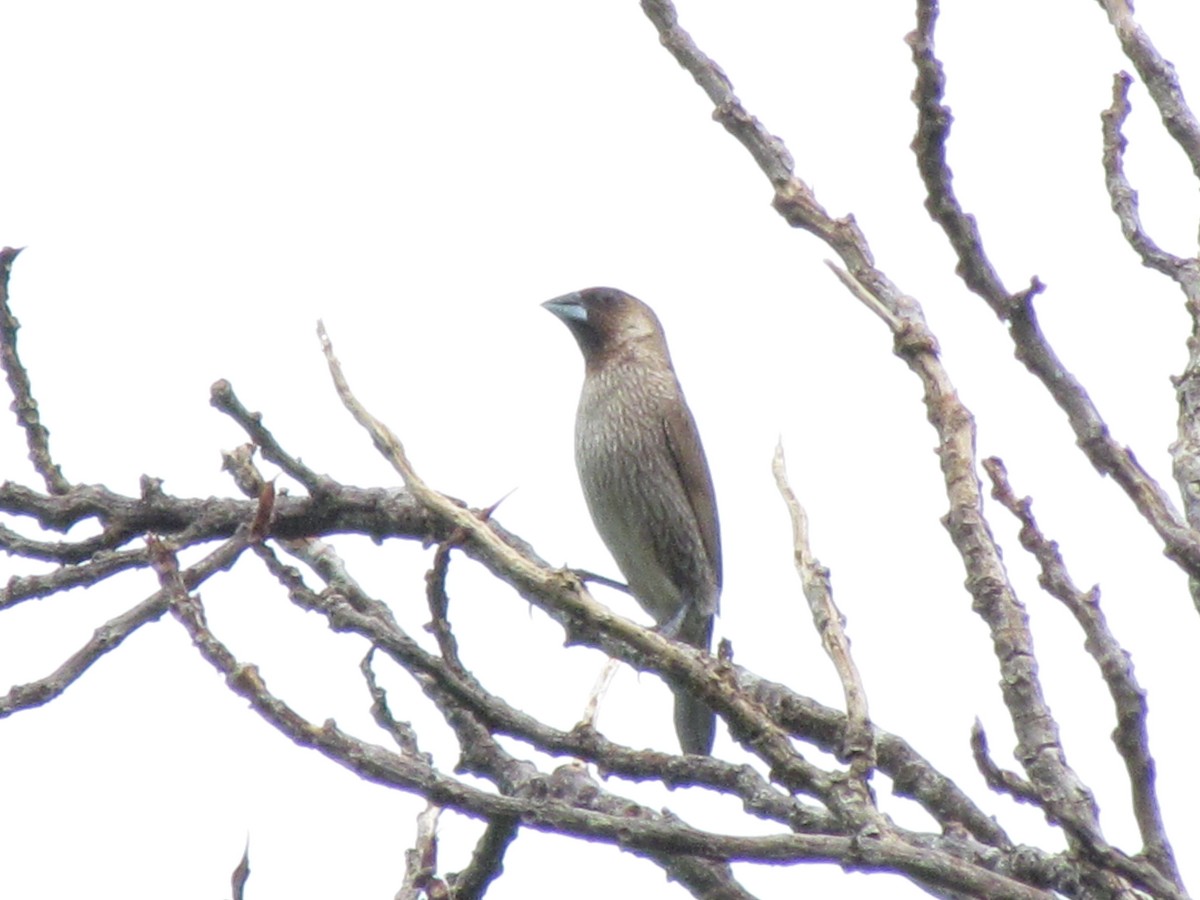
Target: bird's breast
{"points": [[633, 488]]}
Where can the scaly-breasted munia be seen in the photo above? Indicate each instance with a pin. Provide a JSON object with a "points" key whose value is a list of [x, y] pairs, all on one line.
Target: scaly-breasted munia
{"points": [[645, 477]]}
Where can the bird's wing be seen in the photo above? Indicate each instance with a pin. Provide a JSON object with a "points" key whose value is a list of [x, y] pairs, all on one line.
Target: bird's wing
{"points": [[683, 441]]}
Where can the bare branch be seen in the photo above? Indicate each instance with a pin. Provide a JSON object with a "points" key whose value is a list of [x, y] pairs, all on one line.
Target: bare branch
{"points": [[31, 587], [105, 639], [439, 607], [894, 323], [1116, 668], [1124, 198], [36, 434], [483, 755], [1032, 349], [998, 779], [111, 635], [768, 151], [1159, 77], [402, 733], [420, 870], [375, 512], [830, 624], [570, 802], [1040, 749], [223, 398], [1185, 451], [486, 862]]}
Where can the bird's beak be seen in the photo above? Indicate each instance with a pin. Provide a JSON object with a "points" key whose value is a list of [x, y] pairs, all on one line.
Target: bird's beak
{"points": [[568, 307]]}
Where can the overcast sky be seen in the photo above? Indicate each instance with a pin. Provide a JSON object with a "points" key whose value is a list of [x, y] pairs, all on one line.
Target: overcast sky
{"points": [[197, 184]]}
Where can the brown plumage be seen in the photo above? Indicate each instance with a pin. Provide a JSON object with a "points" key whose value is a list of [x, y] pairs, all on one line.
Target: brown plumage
{"points": [[645, 476]]}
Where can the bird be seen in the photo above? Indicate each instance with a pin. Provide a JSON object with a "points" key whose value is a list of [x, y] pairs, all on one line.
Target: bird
{"points": [[645, 477]]}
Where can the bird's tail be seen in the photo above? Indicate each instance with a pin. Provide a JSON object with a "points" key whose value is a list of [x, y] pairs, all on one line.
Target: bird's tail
{"points": [[695, 723]]}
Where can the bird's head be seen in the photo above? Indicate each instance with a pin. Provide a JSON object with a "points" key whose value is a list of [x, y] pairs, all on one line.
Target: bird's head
{"points": [[606, 321]]}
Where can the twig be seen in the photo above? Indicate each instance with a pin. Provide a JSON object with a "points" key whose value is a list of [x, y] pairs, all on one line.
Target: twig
{"points": [[1159, 77], [439, 606], [591, 709], [385, 441], [858, 747], [867, 299], [402, 733], [67, 552], [1000, 780], [112, 634], [1124, 199], [317, 554], [37, 437], [105, 639], [32, 587], [1116, 668], [420, 862], [487, 862], [1112, 860], [223, 398], [1185, 451]]}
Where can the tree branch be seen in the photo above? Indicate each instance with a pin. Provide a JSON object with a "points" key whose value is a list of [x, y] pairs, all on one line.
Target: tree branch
{"points": [[37, 436], [112, 634], [1039, 745], [1182, 543], [1116, 668], [1159, 77], [830, 624]]}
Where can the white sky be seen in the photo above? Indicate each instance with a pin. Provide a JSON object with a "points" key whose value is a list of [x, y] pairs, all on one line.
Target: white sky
{"points": [[198, 183]]}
